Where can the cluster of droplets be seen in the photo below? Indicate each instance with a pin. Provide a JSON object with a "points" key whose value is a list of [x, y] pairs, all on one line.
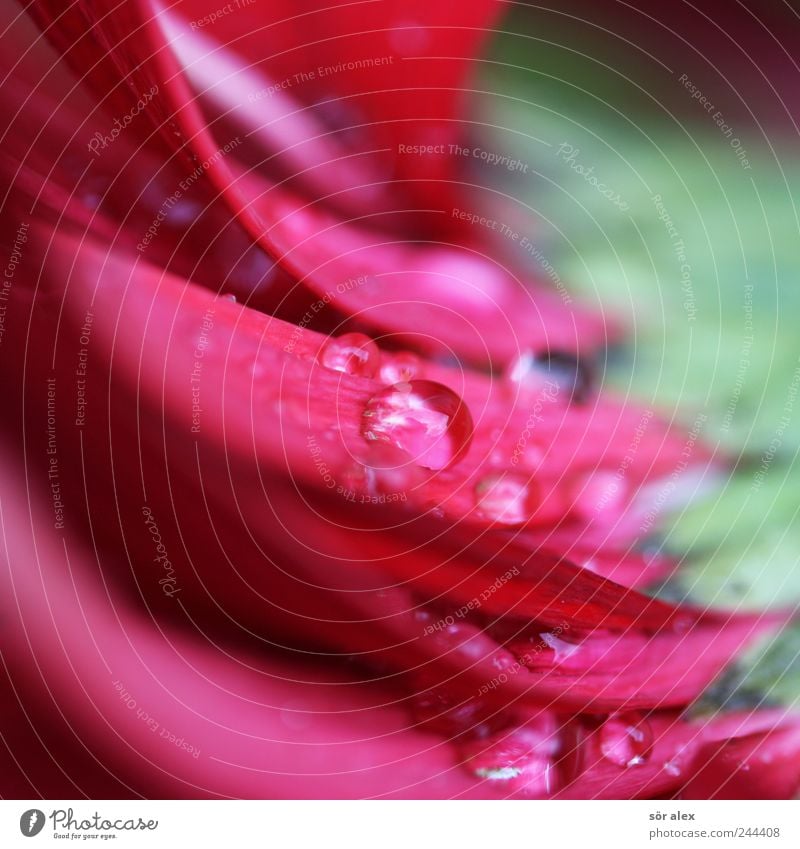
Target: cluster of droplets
{"points": [[428, 423], [424, 419], [535, 759], [433, 426]]}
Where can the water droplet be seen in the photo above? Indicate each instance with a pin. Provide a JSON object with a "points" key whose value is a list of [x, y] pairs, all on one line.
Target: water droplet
{"points": [[425, 419], [230, 297], [383, 470], [399, 368], [353, 353], [603, 493], [518, 760], [626, 739], [544, 651], [562, 649], [553, 374], [507, 498], [452, 715]]}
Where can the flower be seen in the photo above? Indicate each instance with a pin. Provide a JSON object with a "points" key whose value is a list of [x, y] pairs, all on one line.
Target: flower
{"points": [[320, 500]]}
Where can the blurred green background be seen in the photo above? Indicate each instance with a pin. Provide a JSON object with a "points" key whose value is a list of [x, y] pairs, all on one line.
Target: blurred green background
{"points": [[694, 239]]}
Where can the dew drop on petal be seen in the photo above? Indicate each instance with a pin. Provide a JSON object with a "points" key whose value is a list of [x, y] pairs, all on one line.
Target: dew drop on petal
{"points": [[399, 368], [603, 493], [626, 739], [507, 498], [519, 760], [425, 419], [555, 375], [546, 650], [562, 650], [452, 715], [352, 353]]}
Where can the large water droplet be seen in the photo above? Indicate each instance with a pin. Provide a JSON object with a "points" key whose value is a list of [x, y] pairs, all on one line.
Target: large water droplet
{"points": [[353, 353], [626, 739], [553, 374], [519, 760], [425, 419], [507, 498]]}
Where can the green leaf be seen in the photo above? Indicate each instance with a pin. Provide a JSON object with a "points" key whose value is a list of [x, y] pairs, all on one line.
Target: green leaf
{"points": [[659, 219]]}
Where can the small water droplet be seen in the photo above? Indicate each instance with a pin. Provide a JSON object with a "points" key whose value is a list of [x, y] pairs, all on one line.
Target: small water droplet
{"points": [[231, 298], [602, 493], [554, 374], [353, 353], [544, 651], [425, 419], [626, 739], [452, 715], [399, 368], [507, 498], [383, 470]]}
